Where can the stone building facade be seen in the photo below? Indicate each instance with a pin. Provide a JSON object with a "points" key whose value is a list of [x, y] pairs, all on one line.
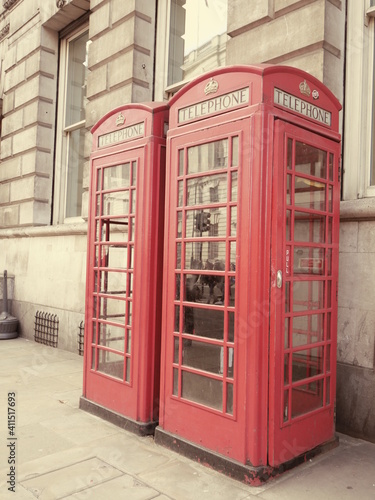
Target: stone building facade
{"points": [[66, 63]]}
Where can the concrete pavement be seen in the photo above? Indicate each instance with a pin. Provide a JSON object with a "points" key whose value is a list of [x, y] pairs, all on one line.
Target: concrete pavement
{"points": [[61, 452]]}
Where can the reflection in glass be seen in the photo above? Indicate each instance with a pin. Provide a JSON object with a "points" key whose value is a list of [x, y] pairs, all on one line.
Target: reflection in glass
{"points": [[306, 398], [310, 160], [307, 363], [112, 309], [230, 399], [175, 381], [205, 255], [116, 177], [128, 341], [197, 28], [235, 151], [309, 227], [179, 225], [308, 260], [201, 389], [209, 156], [217, 223], [308, 295], [233, 221], [134, 173], [181, 162], [205, 289], [112, 336], [234, 186], [111, 364], [178, 256], [180, 193], [113, 283], [202, 356], [230, 327], [116, 203], [203, 322], [115, 257], [308, 329], [133, 199], [330, 175], [309, 194], [206, 189], [288, 189]]}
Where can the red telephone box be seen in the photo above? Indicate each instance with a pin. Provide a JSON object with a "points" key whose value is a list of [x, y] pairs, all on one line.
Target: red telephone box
{"points": [[251, 264], [124, 267]]}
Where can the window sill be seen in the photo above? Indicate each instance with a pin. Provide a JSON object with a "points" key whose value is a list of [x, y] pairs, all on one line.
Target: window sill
{"points": [[361, 209]]}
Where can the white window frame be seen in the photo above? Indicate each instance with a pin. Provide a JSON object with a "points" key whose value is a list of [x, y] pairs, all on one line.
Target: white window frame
{"points": [[359, 102], [61, 155]]}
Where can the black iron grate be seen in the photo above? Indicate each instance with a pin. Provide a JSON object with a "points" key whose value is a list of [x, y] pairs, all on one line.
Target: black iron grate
{"points": [[46, 328], [81, 336]]}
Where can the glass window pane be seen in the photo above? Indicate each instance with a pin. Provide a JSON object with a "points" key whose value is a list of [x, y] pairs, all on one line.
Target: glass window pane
{"points": [[235, 143], [206, 289], [308, 329], [234, 186], [307, 363], [113, 283], [116, 177], [112, 310], [116, 203], [308, 260], [309, 194], [112, 336], [206, 190], [204, 322], [308, 295], [205, 255], [197, 30], [74, 183], [230, 399], [76, 80], [309, 227], [115, 257], [111, 363], [306, 398], [210, 156], [202, 390], [206, 223], [310, 160], [202, 356]]}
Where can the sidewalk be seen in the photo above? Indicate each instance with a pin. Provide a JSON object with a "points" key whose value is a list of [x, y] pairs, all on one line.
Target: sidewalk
{"points": [[64, 452]]}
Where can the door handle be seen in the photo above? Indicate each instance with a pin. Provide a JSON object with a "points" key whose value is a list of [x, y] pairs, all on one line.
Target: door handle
{"points": [[279, 279]]}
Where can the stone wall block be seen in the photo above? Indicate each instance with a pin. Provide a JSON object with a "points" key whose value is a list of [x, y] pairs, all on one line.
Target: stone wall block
{"points": [[241, 16], [4, 193], [8, 102], [12, 123], [9, 216], [22, 189], [96, 108], [100, 21], [15, 76], [120, 69], [113, 42], [25, 140], [27, 92], [97, 81], [10, 169], [279, 37], [366, 237], [6, 148], [349, 237], [37, 162], [27, 44]]}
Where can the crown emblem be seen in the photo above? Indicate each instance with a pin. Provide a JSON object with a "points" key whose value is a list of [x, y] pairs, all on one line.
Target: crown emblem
{"points": [[120, 120], [211, 87], [304, 88]]}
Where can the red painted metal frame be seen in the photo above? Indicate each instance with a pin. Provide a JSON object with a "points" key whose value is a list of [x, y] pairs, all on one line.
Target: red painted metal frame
{"points": [[138, 397], [253, 435]]}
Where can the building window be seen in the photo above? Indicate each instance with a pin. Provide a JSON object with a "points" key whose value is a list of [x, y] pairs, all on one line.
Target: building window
{"points": [[71, 128], [194, 43]]}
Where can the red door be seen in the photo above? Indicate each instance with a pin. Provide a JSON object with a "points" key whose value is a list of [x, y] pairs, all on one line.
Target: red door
{"points": [[113, 347], [203, 392], [304, 262]]}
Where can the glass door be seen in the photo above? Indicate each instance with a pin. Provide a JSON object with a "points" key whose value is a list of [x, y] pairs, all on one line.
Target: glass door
{"points": [[303, 292], [111, 278], [201, 383]]}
